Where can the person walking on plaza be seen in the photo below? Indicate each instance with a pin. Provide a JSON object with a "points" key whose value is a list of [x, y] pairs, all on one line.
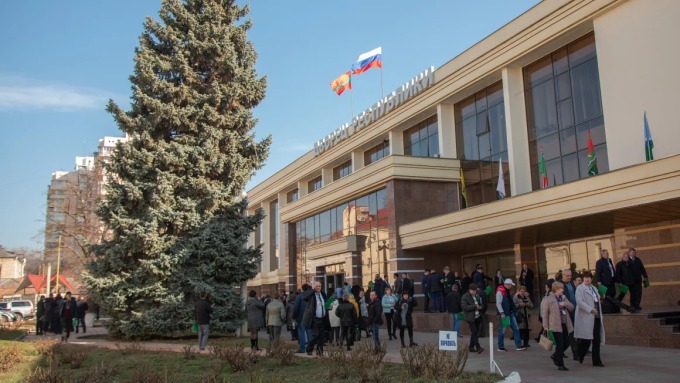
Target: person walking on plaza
{"points": [[570, 294], [526, 279], [67, 310], [588, 325], [453, 304], [484, 324], [40, 317], [56, 317], [624, 275], [316, 318], [255, 311], [203, 310], [471, 303], [388, 302], [379, 286], [605, 274], [290, 316], [348, 319], [639, 277], [555, 317], [425, 283], [82, 308], [405, 317], [275, 316], [506, 309], [375, 319], [523, 304], [304, 334]]}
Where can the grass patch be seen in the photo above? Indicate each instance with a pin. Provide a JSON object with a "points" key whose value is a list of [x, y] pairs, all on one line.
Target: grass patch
{"points": [[134, 364], [11, 334]]}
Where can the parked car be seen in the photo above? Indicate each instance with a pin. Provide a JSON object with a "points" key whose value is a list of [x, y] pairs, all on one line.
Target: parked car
{"points": [[6, 315], [22, 309]]}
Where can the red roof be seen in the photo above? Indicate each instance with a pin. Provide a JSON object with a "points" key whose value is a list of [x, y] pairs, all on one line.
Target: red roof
{"points": [[38, 282]]}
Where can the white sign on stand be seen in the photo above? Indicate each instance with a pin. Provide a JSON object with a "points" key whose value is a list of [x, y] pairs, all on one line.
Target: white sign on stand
{"points": [[448, 340]]}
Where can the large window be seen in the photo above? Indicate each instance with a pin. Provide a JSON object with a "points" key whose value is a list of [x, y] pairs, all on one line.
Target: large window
{"points": [[342, 170], [482, 143], [422, 140], [377, 152], [314, 185], [563, 103]]}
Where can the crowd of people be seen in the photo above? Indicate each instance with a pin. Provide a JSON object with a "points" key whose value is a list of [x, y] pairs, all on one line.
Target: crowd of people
{"points": [[60, 315], [570, 311]]}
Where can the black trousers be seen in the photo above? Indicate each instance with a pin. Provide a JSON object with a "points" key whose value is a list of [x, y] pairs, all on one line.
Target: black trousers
{"points": [[335, 334], [347, 336], [410, 333], [524, 334], [611, 290], [318, 335], [635, 294], [474, 329], [427, 302], [483, 325], [390, 329], [583, 344], [561, 344]]}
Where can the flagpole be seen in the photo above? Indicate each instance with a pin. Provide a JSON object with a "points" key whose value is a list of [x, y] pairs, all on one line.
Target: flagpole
{"points": [[382, 93], [351, 100]]}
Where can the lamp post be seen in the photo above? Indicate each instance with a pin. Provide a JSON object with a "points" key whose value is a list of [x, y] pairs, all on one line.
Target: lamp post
{"points": [[384, 248]]}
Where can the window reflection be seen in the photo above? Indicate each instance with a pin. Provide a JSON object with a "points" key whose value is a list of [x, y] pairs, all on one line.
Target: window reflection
{"points": [[563, 104]]}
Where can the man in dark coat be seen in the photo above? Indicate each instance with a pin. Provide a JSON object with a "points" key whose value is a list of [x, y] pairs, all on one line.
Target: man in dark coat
{"points": [[624, 274], [471, 304], [375, 319], [446, 281], [348, 319], [436, 291], [67, 310], [316, 319], [453, 304], [526, 279], [605, 274], [47, 326], [397, 285], [379, 286], [82, 307], [639, 277], [407, 284], [405, 317], [203, 310], [40, 317], [425, 283]]}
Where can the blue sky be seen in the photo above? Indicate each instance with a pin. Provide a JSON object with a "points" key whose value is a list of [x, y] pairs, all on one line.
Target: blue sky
{"points": [[62, 60]]}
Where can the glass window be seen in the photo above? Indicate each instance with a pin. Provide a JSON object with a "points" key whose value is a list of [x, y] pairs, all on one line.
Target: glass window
{"points": [[292, 195], [422, 140], [377, 152], [314, 184], [562, 107], [342, 170]]}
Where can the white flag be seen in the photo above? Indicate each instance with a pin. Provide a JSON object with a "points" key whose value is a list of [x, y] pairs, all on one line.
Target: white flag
{"points": [[501, 181]]}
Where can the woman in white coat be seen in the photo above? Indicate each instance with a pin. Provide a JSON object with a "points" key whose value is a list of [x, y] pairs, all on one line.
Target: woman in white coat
{"points": [[334, 319], [588, 324]]}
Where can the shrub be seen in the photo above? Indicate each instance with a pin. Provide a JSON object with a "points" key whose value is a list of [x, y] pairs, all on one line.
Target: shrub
{"points": [[49, 374], [10, 355], [431, 363], [188, 352], [144, 374], [45, 346], [74, 358], [130, 348], [282, 352], [101, 373]]}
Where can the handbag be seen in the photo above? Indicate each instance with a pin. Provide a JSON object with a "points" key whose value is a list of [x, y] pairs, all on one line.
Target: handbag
{"points": [[545, 342]]}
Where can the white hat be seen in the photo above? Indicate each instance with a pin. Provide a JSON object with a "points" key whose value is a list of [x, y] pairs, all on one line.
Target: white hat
{"points": [[508, 281]]}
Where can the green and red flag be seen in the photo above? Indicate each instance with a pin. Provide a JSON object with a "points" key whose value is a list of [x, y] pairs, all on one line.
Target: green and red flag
{"points": [[342, 83], [592, 158], [543, 172]]}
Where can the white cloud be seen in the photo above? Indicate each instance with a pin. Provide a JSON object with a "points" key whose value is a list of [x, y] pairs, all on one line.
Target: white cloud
{"points": [[27, 95]]}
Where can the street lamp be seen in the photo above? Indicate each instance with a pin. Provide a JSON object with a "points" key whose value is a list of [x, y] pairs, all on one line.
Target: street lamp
{"points": [[384, 248]]}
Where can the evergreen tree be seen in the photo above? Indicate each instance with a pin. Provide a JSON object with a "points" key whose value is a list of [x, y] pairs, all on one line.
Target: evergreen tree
{"points": [[174, 228]]}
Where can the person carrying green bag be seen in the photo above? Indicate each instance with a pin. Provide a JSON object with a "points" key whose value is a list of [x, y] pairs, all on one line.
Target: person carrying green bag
{"points": [[507, 312], [557, 322], [624, 275]]}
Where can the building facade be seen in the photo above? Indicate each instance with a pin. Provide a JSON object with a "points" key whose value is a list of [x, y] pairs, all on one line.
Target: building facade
{"points": [[416, 180]]}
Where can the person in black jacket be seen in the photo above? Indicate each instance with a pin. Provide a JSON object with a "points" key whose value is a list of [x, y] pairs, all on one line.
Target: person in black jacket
{"points": [[425, 282], [436, 292], [348, 319], [453, 303], [203, 310], [82, 307], [67, 310], [47, 326], [526, 279], [316, 318], [407, 285], [40, 317], [379, 286], [605, 274], [404, 317], [375, 319], [639, 276], [624, 274], [446, 281]]}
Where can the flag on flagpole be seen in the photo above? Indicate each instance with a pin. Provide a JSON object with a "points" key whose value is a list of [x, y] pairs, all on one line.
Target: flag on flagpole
{"points": [[649, 144], [368, 60], [463, 192], [342, 83], [543, 172], [592, 158], [500, 188]]}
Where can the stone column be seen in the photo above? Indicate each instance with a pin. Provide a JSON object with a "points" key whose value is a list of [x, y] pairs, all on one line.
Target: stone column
{"points": [[516, 128]]}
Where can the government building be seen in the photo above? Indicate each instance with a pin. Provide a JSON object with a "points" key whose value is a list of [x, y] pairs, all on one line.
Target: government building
{"points": [[485, 160]]}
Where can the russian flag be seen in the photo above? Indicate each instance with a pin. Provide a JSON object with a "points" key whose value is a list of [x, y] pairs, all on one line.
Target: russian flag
{"points": [[367, 61]]}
